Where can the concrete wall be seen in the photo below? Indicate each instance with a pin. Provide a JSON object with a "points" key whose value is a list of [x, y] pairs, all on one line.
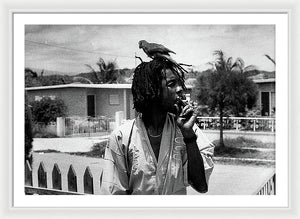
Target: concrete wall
{"points": [[74, 98], [267, 87], [109, 101]]}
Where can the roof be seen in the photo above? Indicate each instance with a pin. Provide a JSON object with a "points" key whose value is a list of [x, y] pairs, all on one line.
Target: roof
{"points": [[107, 86], [97, 86], [266, 80]]}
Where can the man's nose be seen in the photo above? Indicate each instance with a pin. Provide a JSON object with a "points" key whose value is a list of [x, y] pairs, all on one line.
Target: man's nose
{"points": [[179, 89], [179, 92]]}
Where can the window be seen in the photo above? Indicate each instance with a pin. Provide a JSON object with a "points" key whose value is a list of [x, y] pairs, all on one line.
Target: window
{"points": [[114, 99]]}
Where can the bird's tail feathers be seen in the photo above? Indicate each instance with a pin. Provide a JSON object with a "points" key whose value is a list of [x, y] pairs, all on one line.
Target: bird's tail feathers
{"points": [[169, 58]]}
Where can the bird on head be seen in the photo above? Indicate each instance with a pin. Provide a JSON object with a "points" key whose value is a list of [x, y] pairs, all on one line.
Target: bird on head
{"points": [[153, 50]]}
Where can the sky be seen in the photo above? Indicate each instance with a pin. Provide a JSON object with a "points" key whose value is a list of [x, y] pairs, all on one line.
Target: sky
{"points": [[68, 48]]}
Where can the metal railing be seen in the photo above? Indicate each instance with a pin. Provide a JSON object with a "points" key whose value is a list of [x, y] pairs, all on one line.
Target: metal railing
{"points": [[268, 187], [86, 125], [254, 124]]}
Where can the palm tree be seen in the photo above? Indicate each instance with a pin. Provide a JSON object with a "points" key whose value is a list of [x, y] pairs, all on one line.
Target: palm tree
{"points": [[226, 69], [272, 60], [78, 78], [107, 72], [221, 64]]}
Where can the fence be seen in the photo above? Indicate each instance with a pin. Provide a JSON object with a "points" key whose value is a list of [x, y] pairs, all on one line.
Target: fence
{"points": [[56, 187], [86, 125], [238, 123], [268, 187]]}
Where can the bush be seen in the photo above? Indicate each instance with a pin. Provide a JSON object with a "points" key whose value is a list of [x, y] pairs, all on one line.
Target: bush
{"points": [[98, 149], [45, 135], [47, 110], [28, 132]]}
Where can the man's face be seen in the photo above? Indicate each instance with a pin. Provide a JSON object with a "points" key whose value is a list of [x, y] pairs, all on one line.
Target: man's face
{"points": [[171, 89]]}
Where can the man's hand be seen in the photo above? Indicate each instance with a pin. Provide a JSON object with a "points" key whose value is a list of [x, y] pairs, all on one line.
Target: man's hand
{"points": [[186, 120]]}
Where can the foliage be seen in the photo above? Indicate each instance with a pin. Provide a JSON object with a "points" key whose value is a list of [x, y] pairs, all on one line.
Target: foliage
{"points": [[55, 80], [243, 142], [99, 149], [47, 110], [225, 89], [243, 149], [28, 131], [45, 135], [107, 72], [33, 80], [254, 112]]}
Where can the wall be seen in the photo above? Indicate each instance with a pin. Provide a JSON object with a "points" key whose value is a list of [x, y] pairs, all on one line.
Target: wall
{"points": [[74, 98], [267, 87], [103, 106]]}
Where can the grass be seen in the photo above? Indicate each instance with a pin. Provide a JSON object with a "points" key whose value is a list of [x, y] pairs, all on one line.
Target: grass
{"points": [[44, 135], [245, 148], [97, 151], [235, 148], [244, 153], [242, 142]]}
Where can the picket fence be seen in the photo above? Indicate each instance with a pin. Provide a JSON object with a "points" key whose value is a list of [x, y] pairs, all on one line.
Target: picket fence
{"points": [[56, 187], [268, 187]]}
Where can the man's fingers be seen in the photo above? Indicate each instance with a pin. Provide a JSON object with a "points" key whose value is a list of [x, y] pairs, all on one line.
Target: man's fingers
{"points": [[185, 109]]}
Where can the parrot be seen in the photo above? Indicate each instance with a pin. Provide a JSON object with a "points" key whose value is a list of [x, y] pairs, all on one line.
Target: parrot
{"points": [[155, 50]]}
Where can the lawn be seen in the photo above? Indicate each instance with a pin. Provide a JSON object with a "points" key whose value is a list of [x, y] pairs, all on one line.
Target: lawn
{"points": [[242, 142], [247, 152], [242, 148]]}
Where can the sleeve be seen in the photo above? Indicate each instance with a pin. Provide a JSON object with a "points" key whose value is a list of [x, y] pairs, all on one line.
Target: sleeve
{"points": [[116, 178], [206, 149]]}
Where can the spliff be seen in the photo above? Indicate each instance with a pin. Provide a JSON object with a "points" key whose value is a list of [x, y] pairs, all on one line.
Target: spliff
{"points": [[180, 104]]}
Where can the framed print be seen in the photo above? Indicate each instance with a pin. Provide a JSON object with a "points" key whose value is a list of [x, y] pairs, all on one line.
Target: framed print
{"points": [[45, 41], [60, 54]]}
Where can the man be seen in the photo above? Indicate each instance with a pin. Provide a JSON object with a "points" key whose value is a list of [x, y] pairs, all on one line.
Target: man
{"points": [[161, 151]]}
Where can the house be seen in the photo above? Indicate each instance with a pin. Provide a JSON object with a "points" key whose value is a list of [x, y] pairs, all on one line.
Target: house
{"points": [[266, 100], [106, 99], [90, 99]]}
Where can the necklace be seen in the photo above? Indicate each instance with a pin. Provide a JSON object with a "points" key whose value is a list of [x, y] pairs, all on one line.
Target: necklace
{"points": [[154, 136]]}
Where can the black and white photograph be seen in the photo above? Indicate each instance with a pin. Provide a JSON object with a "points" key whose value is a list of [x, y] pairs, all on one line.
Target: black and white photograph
{"points": [[131, 107]]}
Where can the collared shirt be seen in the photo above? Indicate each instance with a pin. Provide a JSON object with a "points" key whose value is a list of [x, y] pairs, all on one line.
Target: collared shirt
{"points": [[132, 165]]}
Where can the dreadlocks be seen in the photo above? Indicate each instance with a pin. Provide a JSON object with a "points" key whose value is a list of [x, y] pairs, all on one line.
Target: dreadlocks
{"points": [[146, 85]]}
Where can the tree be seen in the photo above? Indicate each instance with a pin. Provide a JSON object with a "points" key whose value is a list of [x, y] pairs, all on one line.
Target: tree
{"points": [[107, 72], [269, 57], [47, 110], [28, 131], [31, 78], [225, 89]]}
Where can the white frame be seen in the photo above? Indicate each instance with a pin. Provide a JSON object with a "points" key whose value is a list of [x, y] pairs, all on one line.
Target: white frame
{"points": [[291, 212], [281, 22]]}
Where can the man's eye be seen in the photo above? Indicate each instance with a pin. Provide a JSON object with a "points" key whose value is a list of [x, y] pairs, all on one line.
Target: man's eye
{"points": [[171, 84]]}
